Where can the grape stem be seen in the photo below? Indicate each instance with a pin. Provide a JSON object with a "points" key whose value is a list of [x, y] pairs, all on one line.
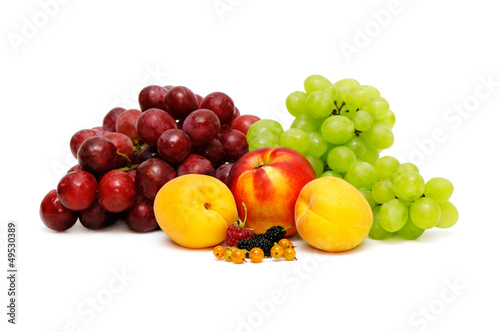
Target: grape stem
{"points": [[124, 156], [127, 168]]}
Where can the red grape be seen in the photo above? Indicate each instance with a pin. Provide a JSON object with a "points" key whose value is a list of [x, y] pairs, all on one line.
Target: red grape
{"points": [[235, 144], [116, 191], [74, 169], [100, 128], [168, 87], [180, 101], [236, 113], [152, 96], [151, 175], [95, 217], [221, 104], [147, 152], [140, 217], [174, 145], [54, 215], [97, 155], [243, 122], [152, 123], [125, 123], [77, 190], [123, 145], [198, 101], [222, 173], [195, 164], [202, 126], [109, 121], [213, 151], [79, 137], [131, 173]]}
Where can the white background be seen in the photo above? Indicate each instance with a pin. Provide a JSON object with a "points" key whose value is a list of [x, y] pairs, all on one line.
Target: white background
{"points": [[428, 59]]}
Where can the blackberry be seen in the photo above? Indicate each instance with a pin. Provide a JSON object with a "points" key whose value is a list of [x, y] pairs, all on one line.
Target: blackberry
{"points": [[258, 242], [275, 234]]}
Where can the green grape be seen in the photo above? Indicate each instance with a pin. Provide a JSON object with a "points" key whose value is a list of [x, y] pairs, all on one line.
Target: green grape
{"points": [[409, 186], [296, 139], [340, 159], [274, 127], [389, 119], [383, 191], [371, 156], [306, 123], [362, 175], [425, 212], [377, 107], [410, 231], [317, 145], [320, 83], [449, 215], [331, 173], [362, 121], [386, 166], [317, 164], [337, 129], [379, 137], [367, 194], [358, 94], [439, 189], [393, 215], [342, 86], [357, 145], [319, 105], [378, 232], [402, 168], [296, 103], [324, 157], [264, 140]]}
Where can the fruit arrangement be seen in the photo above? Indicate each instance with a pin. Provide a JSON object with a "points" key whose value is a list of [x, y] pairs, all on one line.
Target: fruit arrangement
{"points": [[341, 128], [197, 169], [125, 162]]}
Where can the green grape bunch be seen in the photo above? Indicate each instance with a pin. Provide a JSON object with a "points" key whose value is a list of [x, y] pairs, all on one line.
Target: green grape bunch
{"points": [[341, 128]]}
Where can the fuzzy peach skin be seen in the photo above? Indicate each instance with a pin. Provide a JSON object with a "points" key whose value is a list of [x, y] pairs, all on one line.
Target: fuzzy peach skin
{"points": [[195, 210], [332, 215], [268, 181]]}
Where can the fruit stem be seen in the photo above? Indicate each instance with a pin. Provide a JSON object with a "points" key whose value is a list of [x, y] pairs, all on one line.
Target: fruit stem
{"points": [[246, 214], [124, 156], [127, 168]]}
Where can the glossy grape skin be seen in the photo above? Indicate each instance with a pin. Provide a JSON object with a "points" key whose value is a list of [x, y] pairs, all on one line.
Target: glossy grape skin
{"points": [[221, 104], [222, 172], [196, 164], [264, 125], [393, 215], [263, 140], [410, 231], [425, 213], [198, 101], [180, 102], [357, 145], [140, 216], [116, 191], [152, 123], [340, 159], [295, 139], [319, 105], [317, 165], [152, 96], [174, 145], [378, 137], [362, 175], [123, 145], [151, 175], [109, 121], [449, 215], [97, 155], [386, 166], [77, 190], [147, 152], [358, 94], [337, 129], [79, 137], [409, 186], [377, 107], [96, 217], [383, 191], [54, 215], [296, 103], [202, 126], [244, 122], [306, 123], [319, 83], [125, 123], [213, 151], [235, 144], [317, 145], [378, 232], [439, 189], [332, 173]]}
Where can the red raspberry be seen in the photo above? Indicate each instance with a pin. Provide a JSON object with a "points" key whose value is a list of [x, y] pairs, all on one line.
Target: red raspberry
{"points": [[236, 232]]}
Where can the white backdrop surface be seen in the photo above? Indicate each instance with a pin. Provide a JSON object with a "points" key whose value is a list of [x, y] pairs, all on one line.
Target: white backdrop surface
{"points": [[66, 63]]}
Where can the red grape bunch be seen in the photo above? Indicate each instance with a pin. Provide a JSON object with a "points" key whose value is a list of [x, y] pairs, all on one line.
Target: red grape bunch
{"points": [[124, 163]]}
